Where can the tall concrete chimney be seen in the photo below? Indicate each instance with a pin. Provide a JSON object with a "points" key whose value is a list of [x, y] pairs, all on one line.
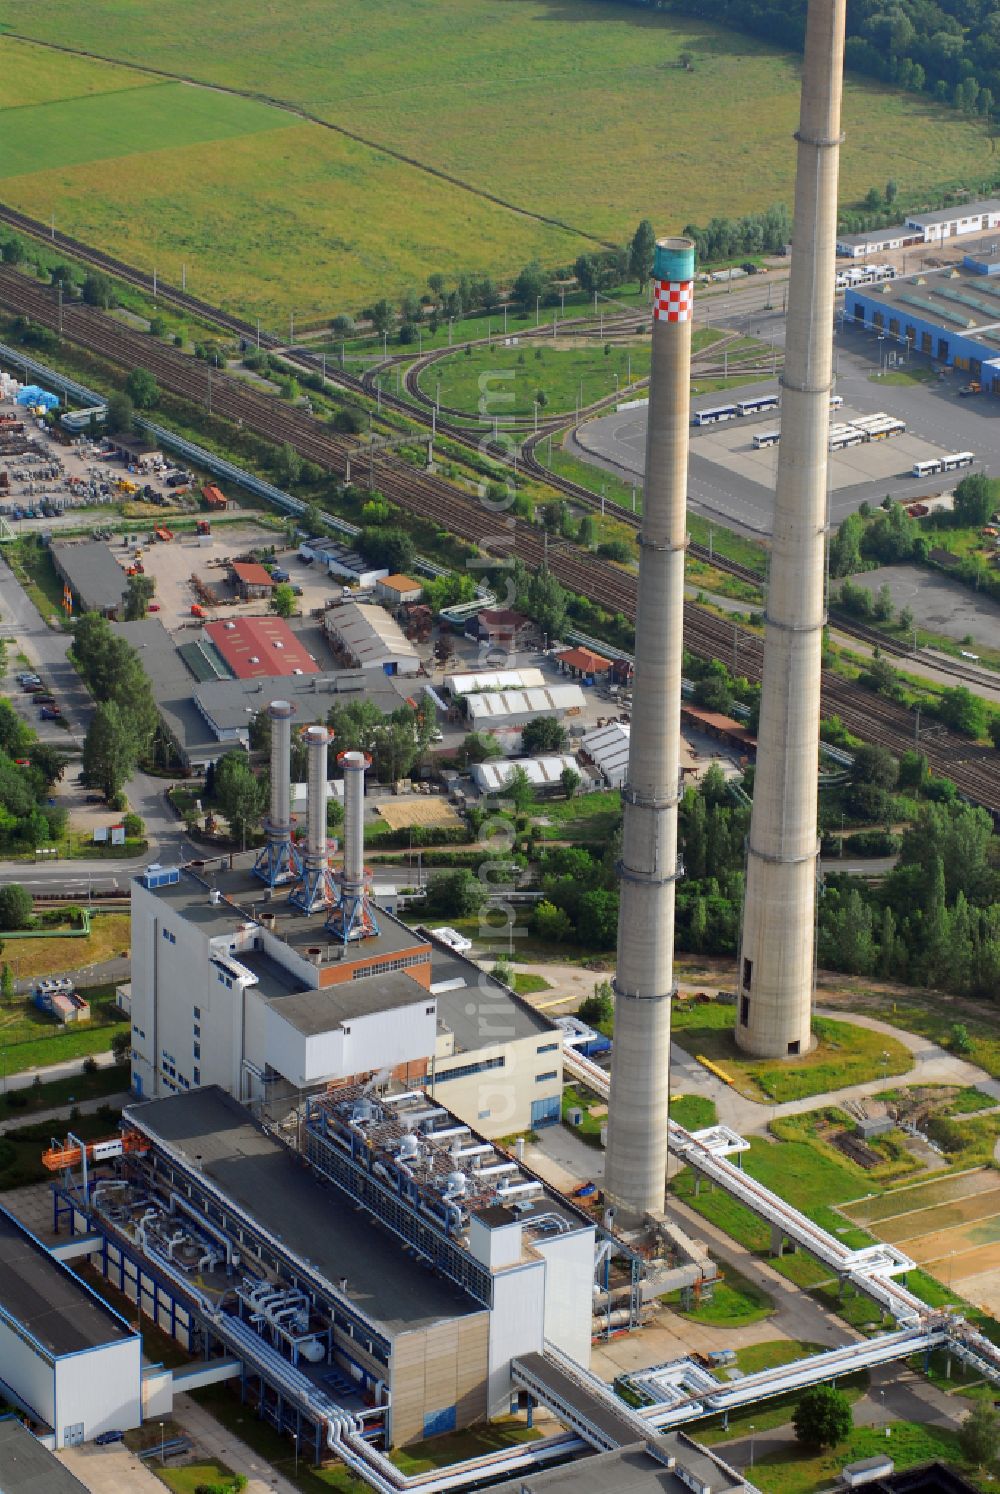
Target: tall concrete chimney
{"points": [[279, 861], [775, 976], [353, 917], [635, 1172], [314, 890]]}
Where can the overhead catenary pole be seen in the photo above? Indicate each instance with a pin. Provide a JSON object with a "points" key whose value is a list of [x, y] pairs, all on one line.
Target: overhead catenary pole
{"points": [[776, 962], [635, 1172]]}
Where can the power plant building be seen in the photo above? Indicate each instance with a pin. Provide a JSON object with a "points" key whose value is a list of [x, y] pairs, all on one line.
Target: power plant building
{"points": [[378, 1277]]}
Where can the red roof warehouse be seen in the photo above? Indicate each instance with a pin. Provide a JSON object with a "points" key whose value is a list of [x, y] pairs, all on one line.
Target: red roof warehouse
{"points": [[254, 646]]}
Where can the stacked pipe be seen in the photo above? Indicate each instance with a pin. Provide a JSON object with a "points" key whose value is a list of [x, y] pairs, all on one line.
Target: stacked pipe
{"points": [[353, 918], [776, 966], [313, 889], [635, 1172], [279, 861]]}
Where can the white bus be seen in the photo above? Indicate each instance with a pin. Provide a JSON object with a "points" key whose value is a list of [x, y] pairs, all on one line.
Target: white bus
{"points": [[758, 405], [766, 438], [713, 416], [877, 427], [959, 459], [845, 435], [925, 469]]}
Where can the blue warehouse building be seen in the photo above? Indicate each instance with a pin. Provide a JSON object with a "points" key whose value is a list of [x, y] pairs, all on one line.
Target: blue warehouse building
{"points": [[951, 316]]}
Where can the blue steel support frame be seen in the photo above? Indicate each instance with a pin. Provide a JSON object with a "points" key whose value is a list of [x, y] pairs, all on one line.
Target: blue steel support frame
{"points": [[278, 861]]}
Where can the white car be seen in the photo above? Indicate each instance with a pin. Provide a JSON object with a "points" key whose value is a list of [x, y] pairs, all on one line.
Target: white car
{"points": [[454, 940]]}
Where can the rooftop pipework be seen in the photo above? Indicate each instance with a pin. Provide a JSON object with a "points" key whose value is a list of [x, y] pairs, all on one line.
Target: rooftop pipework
{"points": [[314, 889], [279, 861]]}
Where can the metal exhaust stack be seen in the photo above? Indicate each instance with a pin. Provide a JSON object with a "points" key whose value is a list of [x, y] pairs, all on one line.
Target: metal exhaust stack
{"points": [[279, 861], [636, 1168], [776, 966], [353, 917], [313, 891]]}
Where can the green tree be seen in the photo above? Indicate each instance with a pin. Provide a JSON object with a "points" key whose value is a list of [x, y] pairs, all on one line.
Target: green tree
{"points": [[845, 546], [979, 1436], [959, 1040], [586, 534], [480, 747], [121, 415], [600, 1007], [641, 249], [15, 906], [597, 919], [823, 1417], [287, 466], [963, 711], [545, 602], [282, 599], [542, 734], [111, 748], [570, 780], [519, 791], [240, 794], [530, 285], [455, 894], [138, 595], [551, 923], [142, 389], [392, 548], [7, 986], [382, 317], [15, 735], [884, 607], [503, 971], [121, 1046], [876, 765], [974, 501], [98, 290]]}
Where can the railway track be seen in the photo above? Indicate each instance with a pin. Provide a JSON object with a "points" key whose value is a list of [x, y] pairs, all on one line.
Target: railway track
{"points": [[976, 772]]}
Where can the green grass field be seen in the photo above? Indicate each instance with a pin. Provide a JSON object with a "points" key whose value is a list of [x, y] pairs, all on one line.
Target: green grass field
{"points": [[560, 113], [508, 379], [844, 1054]]}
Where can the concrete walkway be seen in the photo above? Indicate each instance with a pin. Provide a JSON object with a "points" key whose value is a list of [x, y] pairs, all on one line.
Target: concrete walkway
{"points": [[64, 1070], [212, 1439]]}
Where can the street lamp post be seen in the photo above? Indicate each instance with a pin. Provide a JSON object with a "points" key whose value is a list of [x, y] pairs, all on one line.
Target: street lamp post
{"points": [[752, 1430], [163, 1457]]}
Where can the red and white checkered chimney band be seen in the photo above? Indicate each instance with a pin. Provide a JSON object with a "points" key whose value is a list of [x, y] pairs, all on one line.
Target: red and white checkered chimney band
{"points": [[672, 300]]}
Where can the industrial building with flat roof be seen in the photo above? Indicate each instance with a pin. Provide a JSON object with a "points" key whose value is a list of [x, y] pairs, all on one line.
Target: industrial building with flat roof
{"points": [[173, 687], [952, 316], [386, 1274], [66, 1358], [935, 227], [93, 575], [260, 647]]}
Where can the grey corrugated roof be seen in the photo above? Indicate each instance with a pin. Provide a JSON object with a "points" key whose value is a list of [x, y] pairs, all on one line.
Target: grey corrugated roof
{"points": [[172, 684], [225, 702], [92, 571]]}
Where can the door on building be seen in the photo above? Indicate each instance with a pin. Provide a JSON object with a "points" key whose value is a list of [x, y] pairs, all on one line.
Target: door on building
{"points": [[545, 1112], [73, 1435]]}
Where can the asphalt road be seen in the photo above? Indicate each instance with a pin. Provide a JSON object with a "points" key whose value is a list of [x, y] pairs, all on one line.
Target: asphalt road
{"points": [[932, 412]]}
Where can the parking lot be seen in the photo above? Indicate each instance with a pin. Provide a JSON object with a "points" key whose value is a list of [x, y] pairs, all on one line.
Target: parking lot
{"points": [[938, 603]]}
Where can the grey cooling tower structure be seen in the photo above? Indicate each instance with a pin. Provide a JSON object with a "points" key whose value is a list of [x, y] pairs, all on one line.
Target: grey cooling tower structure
{"points": [[635, 1173], [279, 860], [775, 975], [314, 889]]}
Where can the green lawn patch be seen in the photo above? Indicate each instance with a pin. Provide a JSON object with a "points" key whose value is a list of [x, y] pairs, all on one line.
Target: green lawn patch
{"points": [[767, 1415], [189, 1478], [526, 984], [71, 1090], [30, 1039], [734, 1303], [455, 1447], [589, 1129], [693, 1112], [792, 1470], [570, 375], [844, 1054], [589, 819]]}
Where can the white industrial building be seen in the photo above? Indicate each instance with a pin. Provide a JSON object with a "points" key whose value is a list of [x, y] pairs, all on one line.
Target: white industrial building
{"points": [[234, 987], [340, 560], [514, 708], [607, 748], [66, 1357], [366, 637], [495, 679], [541, 772], [923, 228]]}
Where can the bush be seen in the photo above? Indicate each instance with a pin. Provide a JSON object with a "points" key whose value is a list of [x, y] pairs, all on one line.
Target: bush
{"points": [[90, 1065], [15, 906], [872, 843]]}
